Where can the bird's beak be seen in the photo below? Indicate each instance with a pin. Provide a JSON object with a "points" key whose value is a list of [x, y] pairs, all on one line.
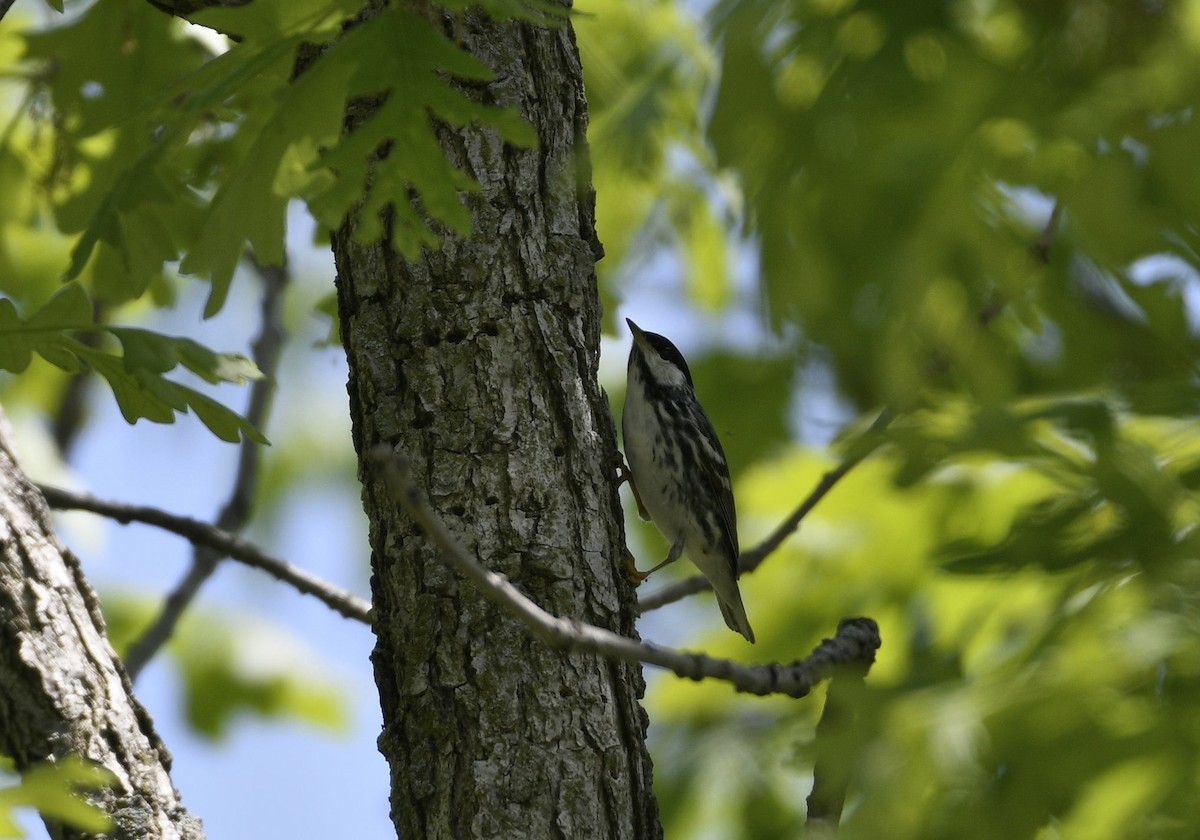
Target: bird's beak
{"points": [[638, 334]]}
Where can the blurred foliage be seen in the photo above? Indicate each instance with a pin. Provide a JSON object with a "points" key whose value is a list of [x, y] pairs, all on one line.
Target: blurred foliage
{"points": [[749, 400], [54, 791], [232, 665], [150, 121], [898, 161], [984, 214], [1040, 655], [647, 70]]}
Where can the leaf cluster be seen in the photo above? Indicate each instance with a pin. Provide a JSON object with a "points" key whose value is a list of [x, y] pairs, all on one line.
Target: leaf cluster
{"points": [[143, 151], [184, 155], [648, 72], [899, 161], [136, 374]]}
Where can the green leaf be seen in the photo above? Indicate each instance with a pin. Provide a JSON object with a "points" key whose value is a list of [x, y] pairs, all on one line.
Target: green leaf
{"points": [[143, 392], [68, 309], [225, 424], [133, 398], [704, 249], [113, 66], [231, 668], [158, 353], [409, 59], [230, 665], [249, 668], [327, 307], [136, 376], [263, 22], [53, 789], [110, 62], [243, 127], [138, 184], [250, 206], [149, 213], [1055, 534], [747, 398]]}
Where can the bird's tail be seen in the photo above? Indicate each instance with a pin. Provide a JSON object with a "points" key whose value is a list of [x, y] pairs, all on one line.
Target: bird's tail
{"points": [[734, 613]]}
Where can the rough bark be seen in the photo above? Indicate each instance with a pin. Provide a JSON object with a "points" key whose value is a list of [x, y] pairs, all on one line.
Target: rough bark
{"points": [[62, 688], [479, 361]]}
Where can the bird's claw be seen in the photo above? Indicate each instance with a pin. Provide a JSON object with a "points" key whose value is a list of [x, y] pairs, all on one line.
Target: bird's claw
{"points": [[624, 474], [631, 567]]}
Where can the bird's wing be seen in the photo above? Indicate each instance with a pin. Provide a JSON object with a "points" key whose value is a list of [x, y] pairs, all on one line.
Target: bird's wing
{"points": [[716, 474]]}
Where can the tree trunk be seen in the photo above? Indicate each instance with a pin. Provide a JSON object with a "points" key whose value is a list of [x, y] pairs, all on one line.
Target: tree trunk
{"points": [[63, 691], [479, 361]]}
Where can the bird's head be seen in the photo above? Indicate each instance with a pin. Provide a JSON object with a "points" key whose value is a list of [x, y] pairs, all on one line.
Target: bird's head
{"points": [[658, 360]]}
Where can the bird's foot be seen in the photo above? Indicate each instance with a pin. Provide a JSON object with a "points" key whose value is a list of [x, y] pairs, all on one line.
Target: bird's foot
{"points": [[632, 569], [637, 576], [624, 474]]}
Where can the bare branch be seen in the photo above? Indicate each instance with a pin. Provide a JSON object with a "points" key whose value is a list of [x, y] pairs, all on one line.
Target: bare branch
{"points": [[754, 557], [224, 543], [265, 350], [1041, 248], [857, 639]]}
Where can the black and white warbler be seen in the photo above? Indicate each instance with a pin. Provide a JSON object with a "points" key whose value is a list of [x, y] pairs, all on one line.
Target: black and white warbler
{"points": [[679, 469]]}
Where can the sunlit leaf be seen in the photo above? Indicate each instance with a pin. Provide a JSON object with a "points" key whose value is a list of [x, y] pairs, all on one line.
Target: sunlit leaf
{"points": [[135, 376], [54, 790]]}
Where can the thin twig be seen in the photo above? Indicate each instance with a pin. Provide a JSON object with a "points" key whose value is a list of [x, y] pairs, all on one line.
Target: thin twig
{"points": [[265, 350], [857, 639], [754, 557], [222, 542], [1041, 248], [994, 307], [1041, 252]]}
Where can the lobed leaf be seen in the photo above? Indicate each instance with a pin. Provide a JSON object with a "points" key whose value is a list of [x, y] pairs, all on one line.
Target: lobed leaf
{"points": [[183, 154], [248, 207], [136, 376], [397, 146], [68, 309]]}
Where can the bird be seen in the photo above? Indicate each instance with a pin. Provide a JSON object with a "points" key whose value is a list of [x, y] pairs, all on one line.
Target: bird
{"points": [[679, 472]]}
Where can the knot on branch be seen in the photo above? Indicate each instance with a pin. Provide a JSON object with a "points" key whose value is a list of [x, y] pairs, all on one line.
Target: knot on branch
{"points": [[851, 651], [853, 647]]}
